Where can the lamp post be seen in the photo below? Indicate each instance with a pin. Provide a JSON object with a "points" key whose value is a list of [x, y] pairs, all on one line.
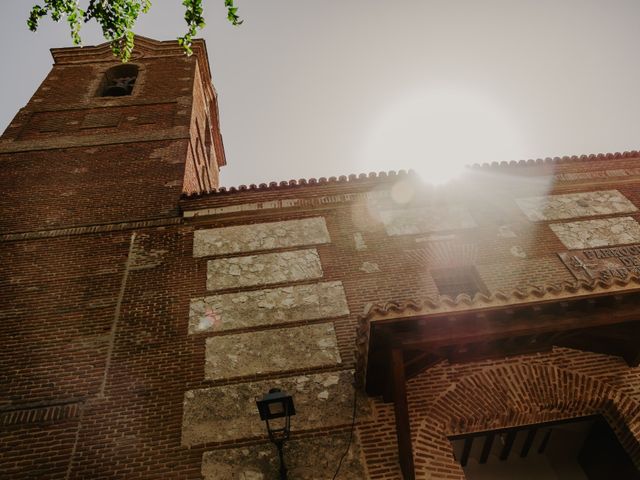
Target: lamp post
{"points": [[273, 405]]}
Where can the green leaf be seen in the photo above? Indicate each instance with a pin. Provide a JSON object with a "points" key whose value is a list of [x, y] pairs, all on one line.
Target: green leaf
{"points": [[117, 19]]}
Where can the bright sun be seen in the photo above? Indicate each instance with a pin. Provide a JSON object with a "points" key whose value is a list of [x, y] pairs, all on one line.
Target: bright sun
{"points": [[438, 132]]}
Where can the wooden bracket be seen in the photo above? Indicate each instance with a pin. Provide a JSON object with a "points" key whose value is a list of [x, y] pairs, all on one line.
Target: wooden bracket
{"points": [[401, 407]]}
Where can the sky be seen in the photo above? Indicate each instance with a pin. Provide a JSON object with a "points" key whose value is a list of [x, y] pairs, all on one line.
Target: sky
{"points": [[322, 88]]}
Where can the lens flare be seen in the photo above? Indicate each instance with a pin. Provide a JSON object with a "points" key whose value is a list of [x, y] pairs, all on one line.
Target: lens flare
{"points": [[437, 132]]}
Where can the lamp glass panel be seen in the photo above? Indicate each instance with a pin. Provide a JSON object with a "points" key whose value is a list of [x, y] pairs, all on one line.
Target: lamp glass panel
{"points": [[276, 408]]}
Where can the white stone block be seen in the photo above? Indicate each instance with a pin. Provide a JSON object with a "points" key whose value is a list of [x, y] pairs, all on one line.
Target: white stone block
{"points": [[573, 205], [228, 412], [309, 458], [263, 269], [433, 218], [260, 236], [269, 351], [231, 311], [597, 233]]}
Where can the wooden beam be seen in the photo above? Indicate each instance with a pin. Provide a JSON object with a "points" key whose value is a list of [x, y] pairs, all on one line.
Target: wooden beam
{"points": [[545, 441], [627, 341], [531, 435], [486, 448], [466, 450], [621, 341], [508, 444], [401, 407], [434, 339], [420, 363]]}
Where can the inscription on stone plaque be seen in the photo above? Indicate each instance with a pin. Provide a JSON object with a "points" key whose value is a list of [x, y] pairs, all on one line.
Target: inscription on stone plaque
{"points": [[603, 263]]}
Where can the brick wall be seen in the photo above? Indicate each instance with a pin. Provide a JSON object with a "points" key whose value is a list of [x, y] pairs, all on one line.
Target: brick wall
{"points": [[102, 320], [108, 310], [597, 384]]}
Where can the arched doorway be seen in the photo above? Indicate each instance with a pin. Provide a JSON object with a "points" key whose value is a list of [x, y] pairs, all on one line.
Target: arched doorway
{"points": [[498, 399]]}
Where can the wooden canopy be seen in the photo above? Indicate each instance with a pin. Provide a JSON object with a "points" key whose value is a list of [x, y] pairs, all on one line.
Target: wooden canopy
{"points": [[398, 340]]}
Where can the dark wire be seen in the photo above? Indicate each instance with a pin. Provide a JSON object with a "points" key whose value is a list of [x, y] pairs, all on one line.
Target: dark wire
{"points": [[353, 424]]}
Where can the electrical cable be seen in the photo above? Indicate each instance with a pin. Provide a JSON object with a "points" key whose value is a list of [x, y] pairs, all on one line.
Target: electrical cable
{"points": [[353, 424]]}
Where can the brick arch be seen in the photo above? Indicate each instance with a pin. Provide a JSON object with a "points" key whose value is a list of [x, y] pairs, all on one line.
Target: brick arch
{"points": [[517, 394]]}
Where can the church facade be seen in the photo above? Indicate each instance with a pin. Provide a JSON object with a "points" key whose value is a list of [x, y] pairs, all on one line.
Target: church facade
{"points": [[481, 330]]}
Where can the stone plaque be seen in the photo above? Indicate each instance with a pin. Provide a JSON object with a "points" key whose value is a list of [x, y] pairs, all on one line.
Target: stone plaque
{"points": [[603, 263]]}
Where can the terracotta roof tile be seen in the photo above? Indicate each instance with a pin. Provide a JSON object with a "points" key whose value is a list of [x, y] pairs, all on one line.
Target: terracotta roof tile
{"points": [[556, 160], [392, 174], [353, 178], [523, 295]]}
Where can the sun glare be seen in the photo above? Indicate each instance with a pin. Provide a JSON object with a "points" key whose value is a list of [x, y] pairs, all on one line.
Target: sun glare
{"points": [[436, 133]]}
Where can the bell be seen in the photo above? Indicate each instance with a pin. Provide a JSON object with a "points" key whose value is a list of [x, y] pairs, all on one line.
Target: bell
{"points": [[115, 91]]}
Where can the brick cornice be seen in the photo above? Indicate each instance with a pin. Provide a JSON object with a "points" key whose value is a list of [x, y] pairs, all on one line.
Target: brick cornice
{"points": [[521, 296], [86, 229], [175, 133], [557, 160]]}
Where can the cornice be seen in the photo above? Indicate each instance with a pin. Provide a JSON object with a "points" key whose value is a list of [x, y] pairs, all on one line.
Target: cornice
{"points": [[394, 175], [557, 160], [521, 296]]}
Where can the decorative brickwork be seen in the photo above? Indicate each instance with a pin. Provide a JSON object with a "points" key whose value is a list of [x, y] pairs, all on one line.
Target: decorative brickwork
{"points": [[40, 413], [444, 255], [454, 399], [519, 272], [516, 393]]}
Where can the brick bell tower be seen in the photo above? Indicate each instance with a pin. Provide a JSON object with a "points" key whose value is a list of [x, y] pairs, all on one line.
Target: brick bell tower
{"points": [[102, 142]]}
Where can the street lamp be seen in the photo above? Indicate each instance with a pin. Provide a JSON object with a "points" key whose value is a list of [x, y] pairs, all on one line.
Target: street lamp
{"points": [[273, 405]]}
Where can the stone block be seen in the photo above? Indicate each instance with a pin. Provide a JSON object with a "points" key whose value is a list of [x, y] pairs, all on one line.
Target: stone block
{"points": [[597, 233], [263, 269], [231, 311], [434, 218], [260, 236], [269, 351], [572, 205], [359, 241], [226, 413], [310, 458], [369, 267]]}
